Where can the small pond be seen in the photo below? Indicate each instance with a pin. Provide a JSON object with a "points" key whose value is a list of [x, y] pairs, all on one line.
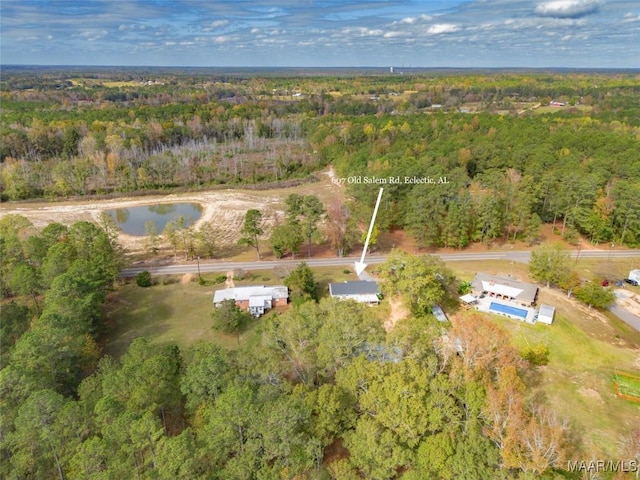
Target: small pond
{"points": [[132, 220]]}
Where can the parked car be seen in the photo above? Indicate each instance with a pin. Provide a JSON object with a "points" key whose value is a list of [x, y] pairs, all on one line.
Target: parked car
{"points": [[631, 282], [620, 283], [605, 283]]}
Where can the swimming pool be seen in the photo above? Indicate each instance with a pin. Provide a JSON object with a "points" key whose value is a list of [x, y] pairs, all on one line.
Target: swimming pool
{"points": [[508, 310]]}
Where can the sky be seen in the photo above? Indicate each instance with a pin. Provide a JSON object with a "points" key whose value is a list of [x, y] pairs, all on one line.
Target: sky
{"points": [[322, 33]]}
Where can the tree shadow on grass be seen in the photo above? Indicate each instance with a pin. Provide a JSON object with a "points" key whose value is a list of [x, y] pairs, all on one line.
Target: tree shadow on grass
{"points": [[124, 324]]}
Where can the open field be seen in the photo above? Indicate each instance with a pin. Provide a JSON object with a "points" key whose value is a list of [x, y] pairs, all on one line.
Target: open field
{"points": [[180, 311], [577, 382], [175, 313], [585, 346]]}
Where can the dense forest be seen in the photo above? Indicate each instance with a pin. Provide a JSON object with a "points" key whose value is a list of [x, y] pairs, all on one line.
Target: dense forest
{"points": [[410, 403], [505, 175], [325, 391], [511, 161]]}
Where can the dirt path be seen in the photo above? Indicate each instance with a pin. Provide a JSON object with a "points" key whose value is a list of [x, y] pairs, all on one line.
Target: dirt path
{"points": [[397, 312]]}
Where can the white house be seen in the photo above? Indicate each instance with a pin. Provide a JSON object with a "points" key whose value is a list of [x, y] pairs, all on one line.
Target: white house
{"points": [[504, 288]]}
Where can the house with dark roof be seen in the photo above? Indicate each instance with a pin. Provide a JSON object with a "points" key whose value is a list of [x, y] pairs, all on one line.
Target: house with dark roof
{"points": [[504, 288], [255, 299], [360, 291]]}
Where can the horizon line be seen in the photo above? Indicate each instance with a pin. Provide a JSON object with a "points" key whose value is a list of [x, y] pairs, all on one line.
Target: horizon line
{"points": [[385, 67]]}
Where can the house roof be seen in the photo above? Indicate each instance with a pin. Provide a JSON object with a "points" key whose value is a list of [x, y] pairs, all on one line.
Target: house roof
{"points": [[468, 298], [260, 300], [354, 288], [245, 293], [546, 311], [522, 291]]}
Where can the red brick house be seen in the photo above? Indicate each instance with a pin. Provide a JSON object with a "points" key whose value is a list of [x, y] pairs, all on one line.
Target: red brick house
{"points": [[255, 299]]}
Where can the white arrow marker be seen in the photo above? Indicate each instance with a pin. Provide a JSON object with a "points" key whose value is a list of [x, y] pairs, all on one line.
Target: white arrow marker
{"points": [[360, 266]]}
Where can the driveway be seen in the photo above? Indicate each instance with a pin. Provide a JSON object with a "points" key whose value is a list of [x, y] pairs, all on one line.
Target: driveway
{"points": [[627, 307]]}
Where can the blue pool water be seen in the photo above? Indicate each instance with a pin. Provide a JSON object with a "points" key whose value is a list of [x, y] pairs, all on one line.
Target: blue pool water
{"points": [[509, 310]]}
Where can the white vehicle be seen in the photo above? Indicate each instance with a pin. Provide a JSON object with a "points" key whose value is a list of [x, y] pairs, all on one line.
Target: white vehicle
{"points": [[634, 277]]}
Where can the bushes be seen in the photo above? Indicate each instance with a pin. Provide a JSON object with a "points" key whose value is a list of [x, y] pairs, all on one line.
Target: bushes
{"points": [[537, 355], [143, 279]]}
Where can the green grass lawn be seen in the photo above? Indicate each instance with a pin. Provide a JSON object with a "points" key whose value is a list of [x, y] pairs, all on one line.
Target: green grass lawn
{"points": [[584, 349], [628, 385], [180, 312], [577, 381], [177, 313]]}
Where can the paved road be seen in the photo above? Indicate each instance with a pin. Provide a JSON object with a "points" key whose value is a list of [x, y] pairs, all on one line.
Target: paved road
{"points": [[208, 266], [515, 256]]}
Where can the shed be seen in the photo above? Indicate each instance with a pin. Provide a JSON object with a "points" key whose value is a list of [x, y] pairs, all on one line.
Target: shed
{"points": [[546, 314], [439, 313]]}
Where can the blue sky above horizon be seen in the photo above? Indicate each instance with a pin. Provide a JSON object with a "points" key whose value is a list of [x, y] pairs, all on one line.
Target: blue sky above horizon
{"points": [[322, 33]]}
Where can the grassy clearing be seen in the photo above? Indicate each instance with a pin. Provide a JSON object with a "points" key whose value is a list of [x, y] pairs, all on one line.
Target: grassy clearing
{"points": [[180, 311], [121, 84], [549, 109], [585, 346], [177, 313], [577, 381]]}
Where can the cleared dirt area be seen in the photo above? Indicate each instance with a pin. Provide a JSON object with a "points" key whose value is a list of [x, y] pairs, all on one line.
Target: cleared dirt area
{"points": [[224, 208]]}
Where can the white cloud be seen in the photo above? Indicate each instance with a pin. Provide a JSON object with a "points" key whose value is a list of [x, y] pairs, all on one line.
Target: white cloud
{"points": [[92, 35], [219, 23], [568, 8], [395, 34], [412, 20], [440, 28], [630, 17], [221, 39]]}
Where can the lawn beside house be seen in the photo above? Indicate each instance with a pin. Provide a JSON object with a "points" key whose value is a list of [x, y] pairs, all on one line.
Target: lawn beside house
{"points": [[577, 382], [179, 311]]}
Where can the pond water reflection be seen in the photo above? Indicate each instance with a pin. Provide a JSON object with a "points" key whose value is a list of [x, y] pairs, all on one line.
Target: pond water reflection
{"points": [[132, 220]]}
